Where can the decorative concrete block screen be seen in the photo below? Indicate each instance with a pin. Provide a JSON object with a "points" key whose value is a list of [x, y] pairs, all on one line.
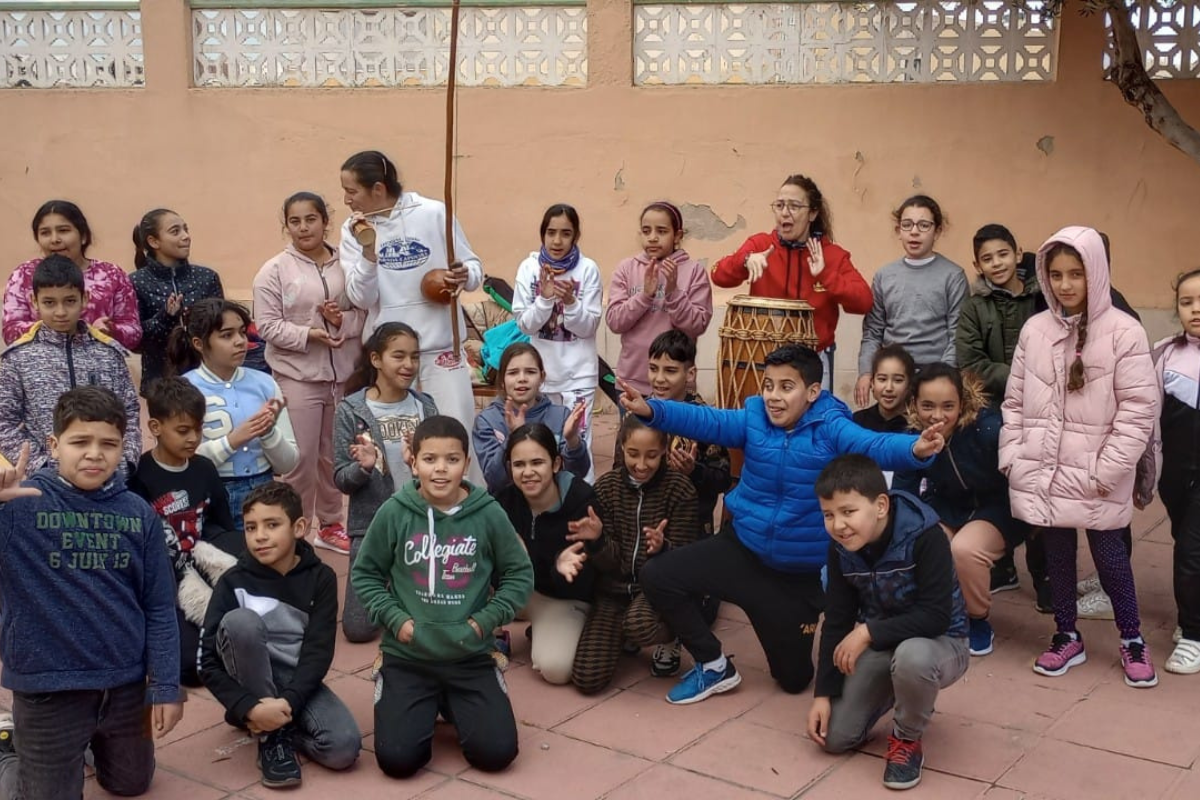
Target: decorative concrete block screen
{"points": [[70, 44], [827, 42], [501, 43], [1169, 32]]}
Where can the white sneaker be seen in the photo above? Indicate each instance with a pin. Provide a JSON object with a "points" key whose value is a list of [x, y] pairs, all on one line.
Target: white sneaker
{"points": [[1088, 585], [1095, 605], [1185, 660]]}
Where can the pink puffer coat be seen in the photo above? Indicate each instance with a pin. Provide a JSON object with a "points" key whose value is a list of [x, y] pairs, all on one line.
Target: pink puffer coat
{"points": [[1070, 457]]}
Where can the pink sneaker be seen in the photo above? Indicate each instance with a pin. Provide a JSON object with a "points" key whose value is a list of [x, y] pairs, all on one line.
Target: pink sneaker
{"points": [[1064, 652], [333, 537], [1139, 669]]}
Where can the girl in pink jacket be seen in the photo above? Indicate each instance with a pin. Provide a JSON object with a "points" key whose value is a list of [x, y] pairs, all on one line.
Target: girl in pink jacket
{"points": [[312, 335], [658, 289], [1080, 409]]}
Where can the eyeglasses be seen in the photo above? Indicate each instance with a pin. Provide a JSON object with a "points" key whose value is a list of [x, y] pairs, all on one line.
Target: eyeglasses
{"points": [[781, 206], [924, 225]]}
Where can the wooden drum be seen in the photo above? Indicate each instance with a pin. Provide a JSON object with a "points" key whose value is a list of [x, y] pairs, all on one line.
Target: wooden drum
{"points": [[755, 326]]}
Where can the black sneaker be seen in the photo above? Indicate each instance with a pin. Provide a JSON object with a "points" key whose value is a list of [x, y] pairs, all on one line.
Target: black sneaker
{"points": [[6, 733], [1004, 576], [277, 760], [665, 661], [904, 762]]}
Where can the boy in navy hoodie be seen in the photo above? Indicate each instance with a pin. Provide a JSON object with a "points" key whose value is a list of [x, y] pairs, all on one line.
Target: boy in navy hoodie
{"points": [[268, 641], [87, 627], [769, 559], [895, 629]]}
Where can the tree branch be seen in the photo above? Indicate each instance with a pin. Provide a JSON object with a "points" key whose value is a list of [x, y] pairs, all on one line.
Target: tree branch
{"points": [[1128, 73]]}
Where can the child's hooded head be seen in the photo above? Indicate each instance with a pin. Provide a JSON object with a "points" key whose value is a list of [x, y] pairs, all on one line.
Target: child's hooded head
{"points": [[791, 383]]}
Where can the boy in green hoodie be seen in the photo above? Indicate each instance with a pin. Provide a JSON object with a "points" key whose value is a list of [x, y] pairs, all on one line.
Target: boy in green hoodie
{"points": [[437, 607]]}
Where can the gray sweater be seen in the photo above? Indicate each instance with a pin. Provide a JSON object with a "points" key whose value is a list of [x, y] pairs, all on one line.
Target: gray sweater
{"points": [[367, 490], [916, 307]]}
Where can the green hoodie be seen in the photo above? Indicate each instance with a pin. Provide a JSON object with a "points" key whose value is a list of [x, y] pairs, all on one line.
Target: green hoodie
{"points": [[437, 569]]}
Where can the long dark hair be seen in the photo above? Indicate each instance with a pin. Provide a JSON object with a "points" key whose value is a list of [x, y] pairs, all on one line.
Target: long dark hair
{"points": [[1077, 376], [560, 210], [823, 223], [200, 321], [364, 371], [535, 432], [71, 213], [512, 351]]}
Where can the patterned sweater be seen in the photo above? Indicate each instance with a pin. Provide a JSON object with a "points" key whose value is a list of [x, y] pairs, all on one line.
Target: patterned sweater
{"points": [[621, 551], [154, 283], [39, 367]]}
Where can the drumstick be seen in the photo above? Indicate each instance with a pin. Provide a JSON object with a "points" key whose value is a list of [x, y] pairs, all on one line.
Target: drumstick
{"points": [[451, 82]]}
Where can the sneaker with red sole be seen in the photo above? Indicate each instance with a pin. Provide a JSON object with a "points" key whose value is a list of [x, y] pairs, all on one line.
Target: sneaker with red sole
{"points": [[1139, 669], [333, 537]]}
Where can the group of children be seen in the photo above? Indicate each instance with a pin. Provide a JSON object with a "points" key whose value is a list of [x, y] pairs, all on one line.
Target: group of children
{"points": [[457, 523]]}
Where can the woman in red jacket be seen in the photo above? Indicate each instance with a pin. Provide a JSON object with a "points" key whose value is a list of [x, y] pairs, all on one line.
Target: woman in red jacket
{"points": [[799, 261]]}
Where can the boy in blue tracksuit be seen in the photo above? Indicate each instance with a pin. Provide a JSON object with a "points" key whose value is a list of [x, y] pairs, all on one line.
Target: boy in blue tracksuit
{"points": [[87, 628], [769, 560]]}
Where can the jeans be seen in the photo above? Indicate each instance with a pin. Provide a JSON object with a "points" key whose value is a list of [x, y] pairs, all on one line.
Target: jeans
{"points": [[325, 730], [909, 677], [239, 489], [54, 729]]}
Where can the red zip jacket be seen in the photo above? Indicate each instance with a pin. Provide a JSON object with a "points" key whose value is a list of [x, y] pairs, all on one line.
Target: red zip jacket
{"points": [[787, 277]]}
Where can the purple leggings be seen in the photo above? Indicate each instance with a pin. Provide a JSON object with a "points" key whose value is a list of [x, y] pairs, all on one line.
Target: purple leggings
{"points": [[1112, 563]]}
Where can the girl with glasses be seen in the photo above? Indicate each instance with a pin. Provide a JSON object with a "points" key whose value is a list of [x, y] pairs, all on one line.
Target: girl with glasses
{"points": [[917, 297], [799, 261]]}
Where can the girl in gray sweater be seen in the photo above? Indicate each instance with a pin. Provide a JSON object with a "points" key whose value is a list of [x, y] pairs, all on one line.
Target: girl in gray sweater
{"points": [[916, 298]]}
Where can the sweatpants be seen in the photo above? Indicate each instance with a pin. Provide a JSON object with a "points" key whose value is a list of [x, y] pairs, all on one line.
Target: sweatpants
{"points": [[1180, 493], [588, 398], [324, 730], [558, 626], [783, 607], [472, 695], [356, 624], [612, 620], [449, 383], [311, 405], [1035, 552], [1111, 557], [53, 730], [908, 677]]}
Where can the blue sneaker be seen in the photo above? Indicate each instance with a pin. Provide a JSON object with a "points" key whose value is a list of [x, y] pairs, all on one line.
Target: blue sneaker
{"points": [[981, 636], [699, 683]]}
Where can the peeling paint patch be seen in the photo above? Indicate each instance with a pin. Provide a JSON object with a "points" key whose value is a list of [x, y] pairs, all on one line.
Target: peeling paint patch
{"points": [[619, 179], [703, 223], [916, 181], [1046, 145]]}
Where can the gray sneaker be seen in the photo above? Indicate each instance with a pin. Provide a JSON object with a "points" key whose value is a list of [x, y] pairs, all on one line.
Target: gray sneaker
{"points": [[1095, 605], [665, 661]]}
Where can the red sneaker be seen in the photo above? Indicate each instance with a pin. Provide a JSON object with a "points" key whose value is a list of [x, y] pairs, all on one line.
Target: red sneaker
{"points": [[333, 537]]}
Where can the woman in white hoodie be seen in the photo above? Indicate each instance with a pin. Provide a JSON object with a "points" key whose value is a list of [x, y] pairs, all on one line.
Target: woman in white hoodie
{"points": [[384, 278], [557, 303]]}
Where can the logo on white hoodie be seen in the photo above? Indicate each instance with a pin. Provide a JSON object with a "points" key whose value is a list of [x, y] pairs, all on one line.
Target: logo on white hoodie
{"points": [[403, 254]]}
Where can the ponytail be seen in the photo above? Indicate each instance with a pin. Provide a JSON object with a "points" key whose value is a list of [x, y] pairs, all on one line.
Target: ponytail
{"points": [[1075, 378], [200, 321], [147, 227], [365, 374]]}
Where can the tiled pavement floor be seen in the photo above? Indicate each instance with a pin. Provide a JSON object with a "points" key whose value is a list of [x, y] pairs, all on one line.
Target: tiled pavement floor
{"points": [[1002, 732]]}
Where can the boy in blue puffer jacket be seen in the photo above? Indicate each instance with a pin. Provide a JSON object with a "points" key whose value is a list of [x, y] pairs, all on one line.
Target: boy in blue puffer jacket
{"points": [[895, 629], [768, 561]]}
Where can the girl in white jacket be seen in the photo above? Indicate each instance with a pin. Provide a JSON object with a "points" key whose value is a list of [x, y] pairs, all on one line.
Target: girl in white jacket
{"points": [[384, 278], [557, 302]]}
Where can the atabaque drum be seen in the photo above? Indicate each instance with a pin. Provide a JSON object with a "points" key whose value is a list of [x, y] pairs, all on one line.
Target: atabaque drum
{"points": [[753, 328]]}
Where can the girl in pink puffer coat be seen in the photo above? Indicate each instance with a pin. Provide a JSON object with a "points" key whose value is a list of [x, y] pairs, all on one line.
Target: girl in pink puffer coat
{"points": [[1080, 408]]}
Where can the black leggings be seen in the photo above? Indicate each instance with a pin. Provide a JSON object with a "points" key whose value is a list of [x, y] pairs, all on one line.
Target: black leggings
{"points": [[783, 607]]}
